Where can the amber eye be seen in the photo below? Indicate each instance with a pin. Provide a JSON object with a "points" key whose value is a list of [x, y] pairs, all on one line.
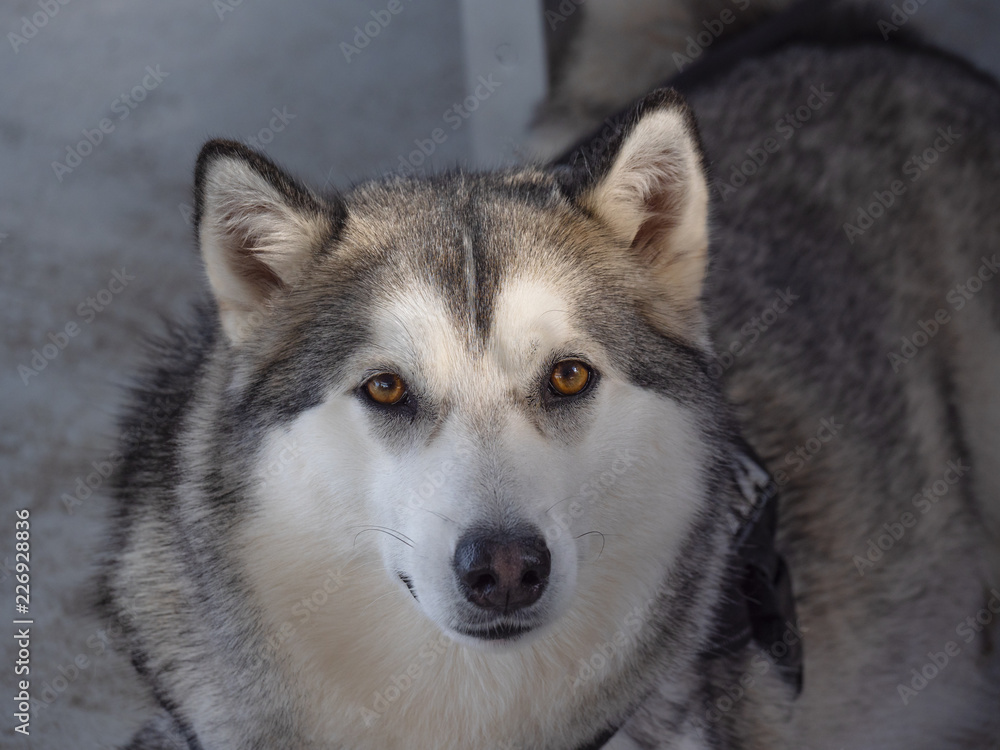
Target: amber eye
{"points": [[386, 388], [569, 377]]}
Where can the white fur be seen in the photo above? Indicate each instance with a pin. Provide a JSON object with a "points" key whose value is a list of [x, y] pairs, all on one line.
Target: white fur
{"points": [[363, 641], [657, 156], [657, 175], [246, 221]]}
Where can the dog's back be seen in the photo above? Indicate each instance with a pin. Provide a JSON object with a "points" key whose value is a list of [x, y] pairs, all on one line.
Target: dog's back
{"points": [[856, 295]]}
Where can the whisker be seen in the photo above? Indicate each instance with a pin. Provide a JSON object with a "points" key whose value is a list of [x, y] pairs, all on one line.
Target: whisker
{"points": [[380, 528], [377, 598], [440, 515], [603, 540], [399, 536], [559, 502]]}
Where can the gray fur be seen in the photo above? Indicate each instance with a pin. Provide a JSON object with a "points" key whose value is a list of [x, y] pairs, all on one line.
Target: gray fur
{"points": [[195, 629], [828, 357], [603, 55]]}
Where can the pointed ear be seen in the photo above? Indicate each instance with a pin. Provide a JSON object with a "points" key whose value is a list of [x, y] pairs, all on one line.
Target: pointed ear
{"points": [[648, 188], [257, 229]]}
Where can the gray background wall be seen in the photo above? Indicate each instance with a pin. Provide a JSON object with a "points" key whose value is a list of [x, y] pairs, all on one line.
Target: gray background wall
{"points": [[222, 71]]}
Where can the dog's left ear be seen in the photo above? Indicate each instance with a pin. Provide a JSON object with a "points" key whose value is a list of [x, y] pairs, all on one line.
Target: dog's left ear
{"points": [[648, 187], [258, 228]]}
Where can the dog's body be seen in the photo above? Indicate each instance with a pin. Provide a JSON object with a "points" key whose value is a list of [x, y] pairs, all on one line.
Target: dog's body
{"points": [[292, 558], [604, 54]]}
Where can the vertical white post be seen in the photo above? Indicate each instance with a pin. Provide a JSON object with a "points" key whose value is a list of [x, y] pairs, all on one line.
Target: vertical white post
{"points": [[505, 75]]}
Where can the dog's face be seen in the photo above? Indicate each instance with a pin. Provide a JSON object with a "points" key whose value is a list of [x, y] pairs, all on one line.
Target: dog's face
{"points": [[493, 381], [495, 412]]}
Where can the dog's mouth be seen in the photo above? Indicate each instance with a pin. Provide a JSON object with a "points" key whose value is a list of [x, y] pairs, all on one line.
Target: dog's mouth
{"points": [[501, 631], [498, 632]]}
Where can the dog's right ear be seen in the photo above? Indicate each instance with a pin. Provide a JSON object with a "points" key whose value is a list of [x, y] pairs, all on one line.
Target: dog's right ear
{"points": [[645, 182], [257, 229]]}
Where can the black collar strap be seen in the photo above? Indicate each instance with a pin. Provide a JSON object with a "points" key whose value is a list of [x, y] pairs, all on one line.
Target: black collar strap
{"points": [[758, 603]]}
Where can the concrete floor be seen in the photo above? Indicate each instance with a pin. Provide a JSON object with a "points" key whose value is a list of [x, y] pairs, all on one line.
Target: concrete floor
{"points": [[201, 69]]}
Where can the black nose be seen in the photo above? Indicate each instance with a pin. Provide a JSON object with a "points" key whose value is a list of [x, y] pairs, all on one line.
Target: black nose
{"points": [[504, 572]]}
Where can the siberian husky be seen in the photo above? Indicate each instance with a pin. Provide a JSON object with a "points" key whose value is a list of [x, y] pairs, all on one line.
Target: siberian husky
{"points": [[688, 441]]}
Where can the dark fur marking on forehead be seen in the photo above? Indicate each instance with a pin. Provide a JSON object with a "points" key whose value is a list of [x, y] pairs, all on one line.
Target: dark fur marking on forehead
{"points": [[455, 232], [465, 252], [487, 268], [447, 255], [493, 200]]}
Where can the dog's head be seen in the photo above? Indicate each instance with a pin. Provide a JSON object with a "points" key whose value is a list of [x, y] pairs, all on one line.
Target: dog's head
{"points": [[498, 382]]}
